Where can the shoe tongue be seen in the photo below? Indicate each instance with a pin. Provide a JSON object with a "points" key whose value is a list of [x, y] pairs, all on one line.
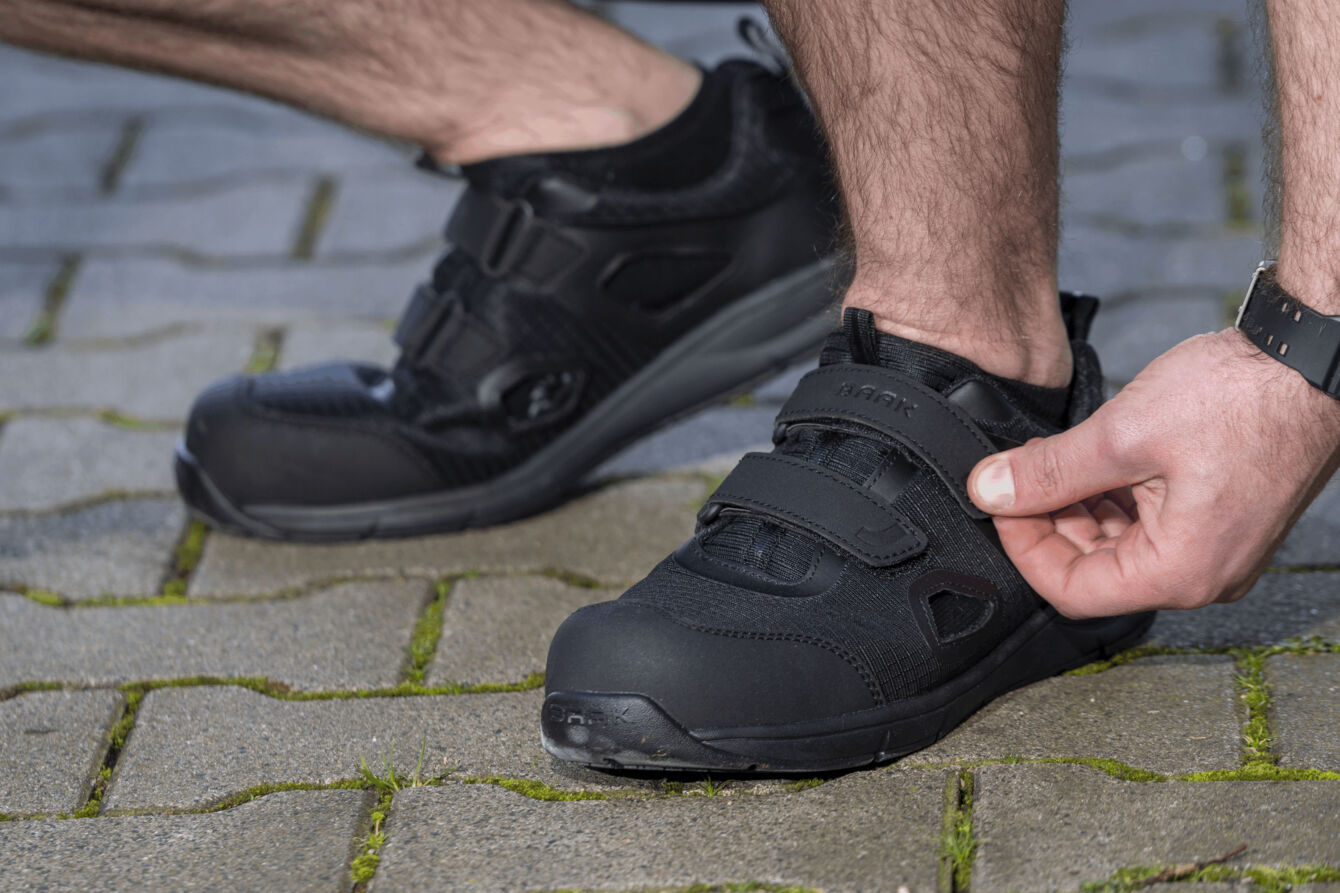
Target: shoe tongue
{"points": [[786, 554]]}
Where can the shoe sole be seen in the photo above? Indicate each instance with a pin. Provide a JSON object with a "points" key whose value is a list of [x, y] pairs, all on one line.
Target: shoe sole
{"points": [[757, 336], [631, 732]]}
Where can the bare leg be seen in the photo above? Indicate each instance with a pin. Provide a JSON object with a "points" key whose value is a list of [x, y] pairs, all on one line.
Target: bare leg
{"points": [[1307, 75], [467, 79], [942, 119]]}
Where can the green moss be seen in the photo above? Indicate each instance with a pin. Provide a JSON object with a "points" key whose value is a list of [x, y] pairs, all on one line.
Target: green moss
{"points": [[748, 886], [1262, 772], [578, 580], [1264, 880], [185, 558], [536, 790], [318, 209], [126, 422], [262, 790], [1131, 654], [1114, 768], [427, 633], [803, 784], [43, 327], [265, 351], [42, 597], [24, 688], [1251, 683], [958, 848]]}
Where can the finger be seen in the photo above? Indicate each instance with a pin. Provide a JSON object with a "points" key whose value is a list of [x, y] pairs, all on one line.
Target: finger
{"points": [[1111, 518], [1049, 473], [1078, 525], [1079, 584]]}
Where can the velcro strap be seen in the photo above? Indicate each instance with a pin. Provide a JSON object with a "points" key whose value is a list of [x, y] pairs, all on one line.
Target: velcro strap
{"points": [[826, 504], [902, 408], [506, 238], [421, 319]]}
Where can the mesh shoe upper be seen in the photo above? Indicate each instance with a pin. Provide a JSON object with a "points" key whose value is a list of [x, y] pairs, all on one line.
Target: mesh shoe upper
{"points": [[898, 631]]}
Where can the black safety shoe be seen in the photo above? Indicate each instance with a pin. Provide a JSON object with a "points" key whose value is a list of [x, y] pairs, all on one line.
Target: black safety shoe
{"points": [[843, 602], [589, 297]]}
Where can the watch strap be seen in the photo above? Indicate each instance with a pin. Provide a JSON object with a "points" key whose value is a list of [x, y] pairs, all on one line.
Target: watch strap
{"points": [[1291, 332]]}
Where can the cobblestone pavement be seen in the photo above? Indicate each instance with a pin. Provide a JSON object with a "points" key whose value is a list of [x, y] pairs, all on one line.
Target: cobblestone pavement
{"points": [[180, 708]]}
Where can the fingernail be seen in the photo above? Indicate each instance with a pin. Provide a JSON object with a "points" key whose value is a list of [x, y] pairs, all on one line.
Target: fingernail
{"points": [[995, 486]]}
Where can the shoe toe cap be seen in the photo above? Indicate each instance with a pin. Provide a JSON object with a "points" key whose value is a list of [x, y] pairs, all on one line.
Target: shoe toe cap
{"points": [[703, 679], [314, 436]]}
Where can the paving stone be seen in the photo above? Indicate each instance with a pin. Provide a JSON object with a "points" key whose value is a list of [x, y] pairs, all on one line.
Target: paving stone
{"points": [[321, 342], [1156, 190], [223, 740], [21, 289], [497, 629], [1305, 709], [615, 535], [295, 841], [1109, 263], [1315, 539], [126, 297], [153, 381], [702, 436], [870, 831], [216, 153], [51, 746], [1054, 827], [1279, 607], [1129, 334], [44, 165], [259, 219], [45, 463], [1170, 715], [120, 547], [401, 212], [348, 636]]}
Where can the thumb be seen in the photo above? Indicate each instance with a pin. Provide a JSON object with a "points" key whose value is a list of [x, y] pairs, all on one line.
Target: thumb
{"points": [[1046, 474]]}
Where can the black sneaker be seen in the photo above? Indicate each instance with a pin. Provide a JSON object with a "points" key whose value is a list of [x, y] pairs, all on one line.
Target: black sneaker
{"points": [[843, 602], [589, 298]]}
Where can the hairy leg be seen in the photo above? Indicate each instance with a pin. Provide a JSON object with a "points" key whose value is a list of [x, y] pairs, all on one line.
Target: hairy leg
{"points": [[466, 79], [1307, 171], [941, 115]]}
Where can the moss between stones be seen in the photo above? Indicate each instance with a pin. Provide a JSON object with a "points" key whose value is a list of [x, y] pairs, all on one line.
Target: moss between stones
{"points": [[365, 863], [427, 633], [43, 597], [958, 848], [536, 790], [185, 557], [1264, 880]]}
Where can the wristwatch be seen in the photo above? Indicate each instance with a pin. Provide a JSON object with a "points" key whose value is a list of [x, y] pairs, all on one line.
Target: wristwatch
{"points": [[1291, 332]]}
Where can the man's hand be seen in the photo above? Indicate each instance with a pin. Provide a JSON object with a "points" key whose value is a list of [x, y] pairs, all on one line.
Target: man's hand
{"points": [[1173, 495]]}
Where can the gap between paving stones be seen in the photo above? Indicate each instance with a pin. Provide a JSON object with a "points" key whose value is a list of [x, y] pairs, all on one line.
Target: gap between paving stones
{"points": [[1264, 879]]}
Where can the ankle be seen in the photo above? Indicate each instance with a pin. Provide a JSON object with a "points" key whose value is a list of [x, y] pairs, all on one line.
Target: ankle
{"points": [[528, 120], [1024, 340]]}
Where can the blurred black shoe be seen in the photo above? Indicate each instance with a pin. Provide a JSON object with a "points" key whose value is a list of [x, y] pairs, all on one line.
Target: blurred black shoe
{"points": [[588, 298]]}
